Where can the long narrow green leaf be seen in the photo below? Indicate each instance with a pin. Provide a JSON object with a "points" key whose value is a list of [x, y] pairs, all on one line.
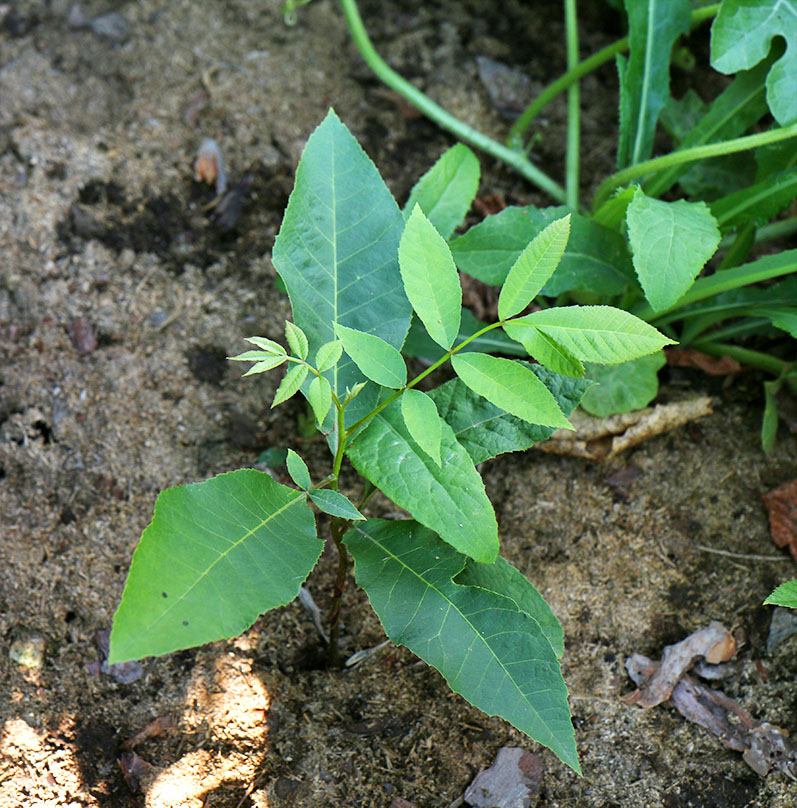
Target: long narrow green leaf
{"points": [[533, 268], [430, 278], [757, 203], [510, 386], [449, 499], [446, 190], [216, 555], [487, 648], [377, 359], [653, 27]]}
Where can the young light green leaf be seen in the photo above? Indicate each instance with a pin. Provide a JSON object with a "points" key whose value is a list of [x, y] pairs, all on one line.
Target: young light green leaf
{"points": [[446, 190], [741, 36], [377, 359], [510, 386], [670, 242], [533, 268], [653, 27], [264, 365], [352, 393], [547, 351], [268, 345], [784, 595], [487, 648], [290, 384], [431, 280], [296, 339], [422, 421], [504, 579], [449, 499], [599, 334], [216, 555], [319, 394], [298, 470], [335, 504], [328, 355], [486, 431], [623, 388]]}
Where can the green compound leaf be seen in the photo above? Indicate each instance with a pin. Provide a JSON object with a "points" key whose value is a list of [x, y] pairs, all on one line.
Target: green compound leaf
{"points": [[319, 394], [599, 334], [335, 504], [486, 431], [296, 339], [263, 361], [377, 359], [216, 555], [298, 470], [623, 388], [741, 37], [510, 386], [784, 595], [488, 650], [653, 27], [449, 499], [504, 579], [670, 242], [431, 280], [547, 351], [267, 345], [337, 252], [328, 355], [290, 384], [422, 421], [445, 192], [533, 268], [595, 259]]}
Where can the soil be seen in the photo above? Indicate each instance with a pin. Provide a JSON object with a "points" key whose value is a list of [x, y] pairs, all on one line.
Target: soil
{"points": [[120, 296]]}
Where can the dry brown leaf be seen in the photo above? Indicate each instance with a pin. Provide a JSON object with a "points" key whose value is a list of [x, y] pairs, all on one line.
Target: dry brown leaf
{"points": [[781, 505], [690, 358], [153, 729]]}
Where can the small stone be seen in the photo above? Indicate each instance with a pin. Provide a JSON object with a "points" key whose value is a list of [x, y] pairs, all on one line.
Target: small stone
{"points": [[112, 26], [28, 652], [513, 781]]}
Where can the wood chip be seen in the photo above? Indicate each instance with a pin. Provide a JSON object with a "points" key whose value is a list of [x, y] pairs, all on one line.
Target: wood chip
{"points": [[781, 505], [690, 358]]}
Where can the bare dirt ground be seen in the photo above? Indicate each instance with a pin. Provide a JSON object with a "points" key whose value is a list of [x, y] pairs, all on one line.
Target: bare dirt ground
{"points": [[120, 298]]}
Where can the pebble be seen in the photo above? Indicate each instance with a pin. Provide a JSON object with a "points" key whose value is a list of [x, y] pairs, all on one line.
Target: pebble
{"points": [[28, 652]]}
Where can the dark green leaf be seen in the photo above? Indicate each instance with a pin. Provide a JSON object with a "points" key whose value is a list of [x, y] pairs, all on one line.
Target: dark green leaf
{"points": [[623, 388], [758, 203]]}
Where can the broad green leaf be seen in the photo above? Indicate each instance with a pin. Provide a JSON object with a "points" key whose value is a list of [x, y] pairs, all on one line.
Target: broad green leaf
{"points": [[216, 555], [623, 388], [296, 339], [653, 27], [510, 386], [420, 344], [547, 351], [599, 334], [337, 252], [612, 212], [377, 359], [785, 319], [731, 114], [596, 258], [335, 504], [290, 384], [431, 281], [488, 649], [328, 355], [267, 345], [670, 242], [422, 422], [485, 431], [784, 595], [446, 190], [319, 394], [449, 499], [533, 268], [504, 579], [757, 203], [741, 36], [680, 115], [774, 158], [298, 470]]}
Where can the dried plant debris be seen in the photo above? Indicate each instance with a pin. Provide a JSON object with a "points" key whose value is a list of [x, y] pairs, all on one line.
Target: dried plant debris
{"points": [[123, 672], [764, 746], [781, 505], [158, 726], [601, 438], [781, 627], [513, 781], [690, 358]]}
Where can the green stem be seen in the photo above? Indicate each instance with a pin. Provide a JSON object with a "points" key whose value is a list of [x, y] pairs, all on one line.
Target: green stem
{"points": [[341, 445], [689, 156], [769, 232], [573, 112], [445, 120], [593, 62], [744, 356]]}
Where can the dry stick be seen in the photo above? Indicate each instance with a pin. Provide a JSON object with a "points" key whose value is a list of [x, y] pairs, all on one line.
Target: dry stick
{"points": [[743, 556]]}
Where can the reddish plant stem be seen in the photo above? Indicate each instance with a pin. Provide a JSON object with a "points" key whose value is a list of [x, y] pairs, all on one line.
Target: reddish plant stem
{"points": [[333, 651]]}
